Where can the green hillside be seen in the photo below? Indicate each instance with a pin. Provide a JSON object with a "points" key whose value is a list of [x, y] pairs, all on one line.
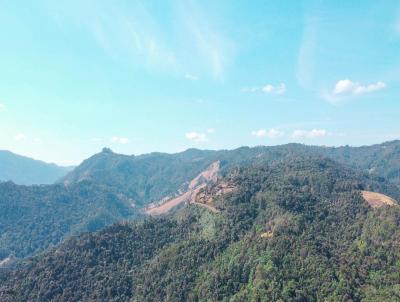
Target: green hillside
{"points": [[110, 187], [32, 218], [323, 243]]}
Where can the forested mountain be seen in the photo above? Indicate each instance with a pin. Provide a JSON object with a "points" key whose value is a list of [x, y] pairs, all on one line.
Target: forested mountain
{"points": [[380, 160], [144, 178], [109, 187], [153, 176], [297, 230], [26, 171], [33, 218]]}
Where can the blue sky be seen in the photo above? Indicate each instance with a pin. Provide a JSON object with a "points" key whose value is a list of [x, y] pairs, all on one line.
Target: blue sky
{"points": [[143, 76]]}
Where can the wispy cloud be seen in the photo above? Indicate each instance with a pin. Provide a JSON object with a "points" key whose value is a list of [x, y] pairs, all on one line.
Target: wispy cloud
{"points": [[278, 89], [214, 48], [268, 88], [120, 140], [210, 130], [250, 89], [314, 133], [1, 106], [19, 137], [131, 34], [196, 136], [397, 23], [270, 133], [307, 54], [349, 87], [191, 77]]}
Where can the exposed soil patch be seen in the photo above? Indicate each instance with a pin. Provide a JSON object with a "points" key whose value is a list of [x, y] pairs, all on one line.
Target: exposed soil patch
{"points": [[267, 234], [377, 200], [5, 262], [207, 194], [210, 175]]}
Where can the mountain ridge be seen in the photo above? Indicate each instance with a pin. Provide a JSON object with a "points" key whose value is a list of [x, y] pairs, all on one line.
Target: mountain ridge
{"points": [[26, 171], [384, 156], [131, 183], [298, 230]]}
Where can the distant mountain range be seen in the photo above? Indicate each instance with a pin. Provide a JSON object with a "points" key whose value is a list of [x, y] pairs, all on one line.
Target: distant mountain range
{"points": [[153, 176], [27, 171]]}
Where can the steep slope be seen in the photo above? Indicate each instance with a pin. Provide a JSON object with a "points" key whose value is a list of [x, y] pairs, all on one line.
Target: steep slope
{"points": [[210, 175], [294, 231], [32, 218], [26, 171], [146, 178]]}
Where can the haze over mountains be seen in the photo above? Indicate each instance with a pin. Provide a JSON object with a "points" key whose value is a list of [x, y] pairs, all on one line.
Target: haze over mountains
{"points": [[290, 222], [27, 171]]}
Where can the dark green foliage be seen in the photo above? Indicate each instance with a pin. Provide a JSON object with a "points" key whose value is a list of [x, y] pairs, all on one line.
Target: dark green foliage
{"points": [[327, 244], [33, 218], [26, 171]]}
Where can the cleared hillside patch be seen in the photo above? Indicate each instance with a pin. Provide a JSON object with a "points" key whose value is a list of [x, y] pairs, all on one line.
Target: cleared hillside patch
{"points": [[377, 200], [198, 183]]}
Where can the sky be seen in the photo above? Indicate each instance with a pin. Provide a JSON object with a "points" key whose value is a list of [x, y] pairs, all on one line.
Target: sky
{"points": [[144, 76]]}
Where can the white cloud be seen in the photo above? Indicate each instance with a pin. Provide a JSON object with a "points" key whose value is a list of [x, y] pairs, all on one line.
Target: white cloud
{"points": [[314, 133], [271, 133], [259, 133], [196, 136], [191, 77], [19, 137], [1, 106], [278, 89], [37, 140], [210, 130], [268, 88], [120, 140], [250, 89], [349, 87]]}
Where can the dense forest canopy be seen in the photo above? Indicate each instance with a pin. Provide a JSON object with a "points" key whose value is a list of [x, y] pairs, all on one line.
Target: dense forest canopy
{"points": [[110, 187], [33, 218], [297, 230]]}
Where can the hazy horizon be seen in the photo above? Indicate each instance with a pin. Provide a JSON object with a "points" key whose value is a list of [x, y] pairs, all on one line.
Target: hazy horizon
{"points": [[202, 149]]}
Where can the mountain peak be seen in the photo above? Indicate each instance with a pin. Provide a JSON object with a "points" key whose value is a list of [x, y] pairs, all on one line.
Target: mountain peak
{"points": [[106, 150]]}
